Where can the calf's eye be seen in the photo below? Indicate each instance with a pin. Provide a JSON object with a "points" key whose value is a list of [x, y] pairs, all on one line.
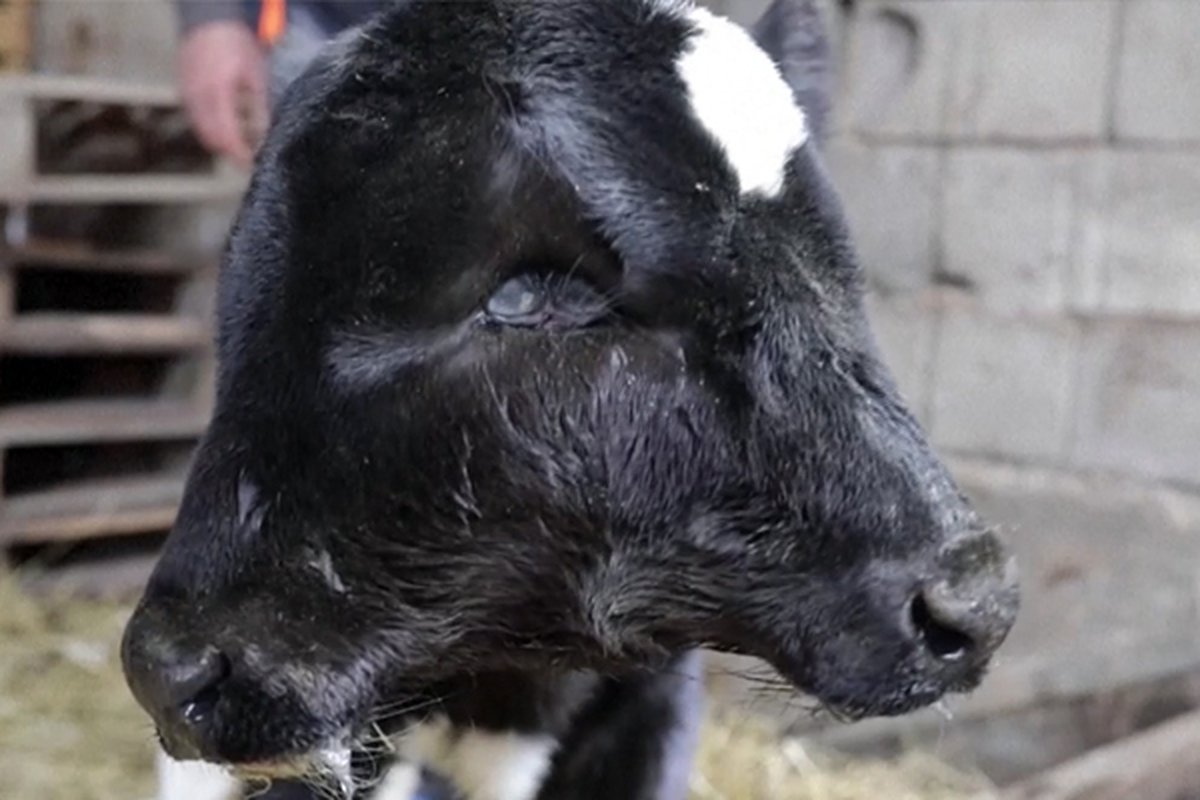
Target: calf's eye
{"points": [[517, 299], [551, 302]]}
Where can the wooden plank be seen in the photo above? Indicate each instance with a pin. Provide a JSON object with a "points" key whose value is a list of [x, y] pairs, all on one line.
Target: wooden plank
{"points": [[121, 576], [95, 421], [18, 142], [92, 508], [83, 256], [107, 91], [63, 333], [96, 496], [132, 189], [119, 522], [6, 292], [122, 522], [1161, 763]]}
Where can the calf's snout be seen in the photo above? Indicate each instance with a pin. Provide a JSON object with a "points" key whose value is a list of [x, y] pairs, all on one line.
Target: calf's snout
{"points": [[966, 610], [177, 681]]}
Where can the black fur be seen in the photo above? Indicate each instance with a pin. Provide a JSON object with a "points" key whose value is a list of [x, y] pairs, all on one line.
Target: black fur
{"points": [[417, 493]]}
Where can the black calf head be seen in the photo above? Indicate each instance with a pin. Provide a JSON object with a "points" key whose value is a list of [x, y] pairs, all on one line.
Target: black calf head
{"points": [[542, 346]]}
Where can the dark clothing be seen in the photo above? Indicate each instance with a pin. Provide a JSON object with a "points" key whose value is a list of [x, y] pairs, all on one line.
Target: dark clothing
{"points": [[331, 15]]}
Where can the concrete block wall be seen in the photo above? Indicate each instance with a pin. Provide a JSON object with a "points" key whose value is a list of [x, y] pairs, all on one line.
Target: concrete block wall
{"points": [[1026, 173]]}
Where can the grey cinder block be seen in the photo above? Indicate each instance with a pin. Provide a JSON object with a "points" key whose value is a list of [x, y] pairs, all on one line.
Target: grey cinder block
{"points": [[1139, 400], [890, 194], [982, 69], [1003, 386], [1158, 88]]}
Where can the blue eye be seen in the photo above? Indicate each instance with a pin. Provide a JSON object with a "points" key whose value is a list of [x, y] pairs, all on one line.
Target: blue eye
{"points": [[551, 302], [517, 299]]}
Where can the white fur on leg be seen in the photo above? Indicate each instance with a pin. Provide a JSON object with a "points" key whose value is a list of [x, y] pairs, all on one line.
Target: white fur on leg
{"points": [[400, 782], [739, 96], [482, 765], [193, 780]]}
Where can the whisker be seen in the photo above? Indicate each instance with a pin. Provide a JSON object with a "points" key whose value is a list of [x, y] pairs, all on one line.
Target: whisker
{"points": [[403, 706], [256, 787], [574, 267]]}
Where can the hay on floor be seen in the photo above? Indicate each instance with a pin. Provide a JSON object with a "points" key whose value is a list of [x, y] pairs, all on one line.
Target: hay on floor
{"points": [[743, 759], [70, 731], [68, 728]]}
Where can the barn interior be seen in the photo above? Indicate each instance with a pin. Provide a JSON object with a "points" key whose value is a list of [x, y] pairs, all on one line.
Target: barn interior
{"points": [[1022, 179]]}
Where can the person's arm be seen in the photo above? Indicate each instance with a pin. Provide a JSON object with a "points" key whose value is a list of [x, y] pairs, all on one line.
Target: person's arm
{"points": [[222, 75]]}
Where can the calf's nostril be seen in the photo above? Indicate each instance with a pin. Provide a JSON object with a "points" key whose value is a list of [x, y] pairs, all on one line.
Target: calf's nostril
{"points": [[938, 633], [198, 710], [192, 684]]}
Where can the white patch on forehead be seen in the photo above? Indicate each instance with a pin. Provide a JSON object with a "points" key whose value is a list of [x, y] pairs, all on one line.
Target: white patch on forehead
{"points": [[193, 780], [482, 765], [739, 96]]}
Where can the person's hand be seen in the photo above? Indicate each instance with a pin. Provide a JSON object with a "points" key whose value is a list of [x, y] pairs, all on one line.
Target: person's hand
{"points": [[223, 80]]}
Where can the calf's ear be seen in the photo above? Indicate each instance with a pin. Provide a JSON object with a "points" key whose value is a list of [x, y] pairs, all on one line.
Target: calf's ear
{"points": [[793, 34]]}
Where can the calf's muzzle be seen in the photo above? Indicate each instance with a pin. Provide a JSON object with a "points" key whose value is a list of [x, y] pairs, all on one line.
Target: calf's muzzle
{"points": [[965, 612]]}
